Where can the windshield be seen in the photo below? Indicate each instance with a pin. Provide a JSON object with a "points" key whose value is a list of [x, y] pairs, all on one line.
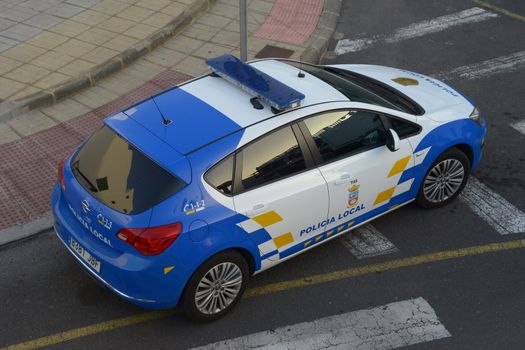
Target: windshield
{"points": [[121, 176], [359, 88]]}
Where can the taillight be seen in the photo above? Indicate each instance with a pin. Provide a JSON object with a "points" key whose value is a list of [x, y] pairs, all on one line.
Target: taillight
{"points": [[60, 172], [153, 240]]}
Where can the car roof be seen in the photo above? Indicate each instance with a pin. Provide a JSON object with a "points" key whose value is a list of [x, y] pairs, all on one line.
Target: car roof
{"points": [[209, 108]]}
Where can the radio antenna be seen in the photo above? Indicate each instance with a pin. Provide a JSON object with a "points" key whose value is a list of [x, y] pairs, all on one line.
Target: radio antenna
{"points": [[300, 74], [164, 120]]}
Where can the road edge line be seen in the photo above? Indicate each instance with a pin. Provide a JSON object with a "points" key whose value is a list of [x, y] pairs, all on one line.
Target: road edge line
{"points": [[274, 288]]}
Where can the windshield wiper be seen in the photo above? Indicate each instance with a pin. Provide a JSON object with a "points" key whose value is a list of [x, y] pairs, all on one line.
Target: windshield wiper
{"points": [[92, 187]]}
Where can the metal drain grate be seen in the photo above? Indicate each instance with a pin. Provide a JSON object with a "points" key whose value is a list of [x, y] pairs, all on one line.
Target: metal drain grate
{"points": [[274, 51]]}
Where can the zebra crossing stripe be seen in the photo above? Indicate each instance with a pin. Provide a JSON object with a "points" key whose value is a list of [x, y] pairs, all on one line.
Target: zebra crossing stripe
{"points": [[503, 64], [366, 241], [519, 126], [494, 209], [389, 326], [437, 24]]}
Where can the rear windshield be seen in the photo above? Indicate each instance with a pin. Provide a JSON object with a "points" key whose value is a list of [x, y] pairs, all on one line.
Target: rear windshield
{"points": [[121, 176]]}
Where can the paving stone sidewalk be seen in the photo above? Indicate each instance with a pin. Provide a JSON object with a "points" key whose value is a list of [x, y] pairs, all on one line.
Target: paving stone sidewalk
{"points": [[47, 42], [32, 144]]}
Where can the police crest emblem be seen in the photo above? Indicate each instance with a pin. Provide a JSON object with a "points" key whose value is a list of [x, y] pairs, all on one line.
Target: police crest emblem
{"points": [[353, 195], [406, 81]]}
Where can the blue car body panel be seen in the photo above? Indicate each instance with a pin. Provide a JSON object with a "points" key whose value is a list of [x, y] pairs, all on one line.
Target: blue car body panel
{"points": [[194, 123]]}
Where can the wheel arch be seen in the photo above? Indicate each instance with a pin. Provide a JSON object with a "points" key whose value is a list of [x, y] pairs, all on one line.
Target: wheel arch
{"points": [[247, 255], [466, 149]]}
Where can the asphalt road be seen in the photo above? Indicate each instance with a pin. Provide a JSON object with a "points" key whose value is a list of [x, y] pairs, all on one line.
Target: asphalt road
{"points": [[479, 299]]}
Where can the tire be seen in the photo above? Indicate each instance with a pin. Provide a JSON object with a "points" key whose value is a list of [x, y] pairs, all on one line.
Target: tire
{"points": [[201, 308], [444, 180]]}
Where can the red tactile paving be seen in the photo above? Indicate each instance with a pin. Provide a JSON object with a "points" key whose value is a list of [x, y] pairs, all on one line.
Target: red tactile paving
{"points": [[291, 21], [28, 166]]}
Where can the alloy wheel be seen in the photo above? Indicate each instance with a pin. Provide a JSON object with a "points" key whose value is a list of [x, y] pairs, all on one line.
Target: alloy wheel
{"points": [[443, 180], [218, 288]]}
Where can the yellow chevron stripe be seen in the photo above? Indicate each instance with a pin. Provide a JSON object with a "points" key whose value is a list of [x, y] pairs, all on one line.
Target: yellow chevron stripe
{"points": [[385, 195], [267, 219], [399, 166], [283, 240]]}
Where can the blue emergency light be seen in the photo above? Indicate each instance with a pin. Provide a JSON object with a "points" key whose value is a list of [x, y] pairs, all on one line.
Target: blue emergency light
{"points": [[255, 82]]}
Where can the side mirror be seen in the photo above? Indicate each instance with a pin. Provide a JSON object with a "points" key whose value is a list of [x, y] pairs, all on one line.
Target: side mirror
{"points": [[392, 140]]}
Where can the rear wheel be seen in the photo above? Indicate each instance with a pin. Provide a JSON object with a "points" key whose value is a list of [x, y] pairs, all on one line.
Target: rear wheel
{"points": [[445, 179], [216, 286]]}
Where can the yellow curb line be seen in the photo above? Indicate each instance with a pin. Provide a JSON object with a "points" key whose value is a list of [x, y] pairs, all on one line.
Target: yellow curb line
{"points": [[499, 10]]}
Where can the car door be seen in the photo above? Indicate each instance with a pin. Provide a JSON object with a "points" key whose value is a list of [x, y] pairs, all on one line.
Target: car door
{"points": [[279, 189], [364, 177]]}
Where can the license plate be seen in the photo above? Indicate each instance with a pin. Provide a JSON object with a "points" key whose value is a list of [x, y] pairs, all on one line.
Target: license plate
{"points": [[84, 254]]}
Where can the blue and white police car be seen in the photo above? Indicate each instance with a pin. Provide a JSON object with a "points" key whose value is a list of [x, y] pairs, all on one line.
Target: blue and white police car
{"points": [[185, 195]]}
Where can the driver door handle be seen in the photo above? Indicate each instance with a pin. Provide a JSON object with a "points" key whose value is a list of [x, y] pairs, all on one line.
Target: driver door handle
{"points": [[257, 209], [345, 178]]}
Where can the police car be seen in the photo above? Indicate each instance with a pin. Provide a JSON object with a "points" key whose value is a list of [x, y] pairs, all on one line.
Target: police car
{"points": [[185, 195]]}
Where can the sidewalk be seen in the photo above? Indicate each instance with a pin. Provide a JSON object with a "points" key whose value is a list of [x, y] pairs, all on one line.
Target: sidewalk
{"points": [[32, 143], [44, 43]]}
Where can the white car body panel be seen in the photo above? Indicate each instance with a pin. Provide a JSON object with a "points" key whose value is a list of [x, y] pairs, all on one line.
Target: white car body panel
{"points": [[324, 200], [297, 199], [356, 183]]}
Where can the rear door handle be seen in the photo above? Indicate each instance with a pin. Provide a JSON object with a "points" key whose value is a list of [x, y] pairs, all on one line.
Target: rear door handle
{"points": [[345, 178], [257, 209]]}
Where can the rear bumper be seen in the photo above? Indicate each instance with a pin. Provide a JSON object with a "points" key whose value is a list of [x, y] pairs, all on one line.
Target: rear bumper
{"points": [[135, 278], [100, 279]]}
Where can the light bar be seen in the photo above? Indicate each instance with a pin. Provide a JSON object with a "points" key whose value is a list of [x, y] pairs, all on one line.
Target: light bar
{"points": [[255, 82]]}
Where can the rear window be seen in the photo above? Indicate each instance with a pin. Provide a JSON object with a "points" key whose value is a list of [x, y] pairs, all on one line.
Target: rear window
{"points": [[121, 176], [221, 176]]}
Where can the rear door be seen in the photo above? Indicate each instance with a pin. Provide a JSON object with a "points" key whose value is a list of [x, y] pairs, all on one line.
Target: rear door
{"points": [[279, 189], [364, 177]]}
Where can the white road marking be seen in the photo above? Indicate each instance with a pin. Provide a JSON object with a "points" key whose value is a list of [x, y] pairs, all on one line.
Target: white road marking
{"points": [[367, 241], [494, 209], [385, 327], [438, 24], [519, 126], [441, 23], [486, 68]]}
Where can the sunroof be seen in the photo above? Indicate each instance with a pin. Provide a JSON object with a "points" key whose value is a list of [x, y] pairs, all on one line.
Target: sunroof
{"points": [[269, 90]]}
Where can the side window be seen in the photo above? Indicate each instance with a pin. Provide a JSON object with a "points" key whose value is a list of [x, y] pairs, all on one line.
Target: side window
{"points": [[272, 157], [342, 133], [220, 176], [404, 129]]}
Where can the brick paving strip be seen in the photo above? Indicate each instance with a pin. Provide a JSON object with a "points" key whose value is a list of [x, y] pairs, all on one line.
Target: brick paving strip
{"points": [[32, 144], [291, 21], [28, 167]]}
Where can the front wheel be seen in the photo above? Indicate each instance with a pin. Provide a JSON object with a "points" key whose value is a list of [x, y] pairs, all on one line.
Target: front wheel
{"points": [[216, 286], [445, 179]]}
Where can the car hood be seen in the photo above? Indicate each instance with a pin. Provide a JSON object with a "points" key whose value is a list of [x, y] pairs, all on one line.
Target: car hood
{"points": [[440, 101]]}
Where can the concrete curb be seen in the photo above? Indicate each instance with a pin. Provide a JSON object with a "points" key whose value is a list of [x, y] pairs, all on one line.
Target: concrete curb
{"points": [[313, 53], [10, 109], [27, 229], [324, 31]]}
